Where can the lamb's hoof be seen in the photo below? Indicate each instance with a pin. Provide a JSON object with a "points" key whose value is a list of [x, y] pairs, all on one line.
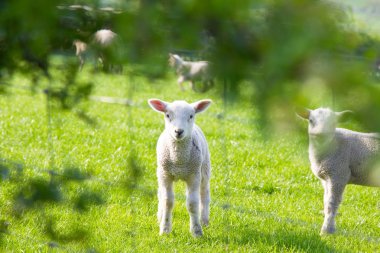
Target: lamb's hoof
{"points": [[327, 231], [196, 231], [205, 222], [165, 230]]}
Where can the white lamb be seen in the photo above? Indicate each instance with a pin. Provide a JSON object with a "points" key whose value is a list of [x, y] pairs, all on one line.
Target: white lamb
{"points": [[191, 71], [339, 157], [102, 45], [182, 153]]}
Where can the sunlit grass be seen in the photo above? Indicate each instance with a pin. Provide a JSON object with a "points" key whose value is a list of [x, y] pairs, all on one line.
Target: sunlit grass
{"points": [[264, 196]]}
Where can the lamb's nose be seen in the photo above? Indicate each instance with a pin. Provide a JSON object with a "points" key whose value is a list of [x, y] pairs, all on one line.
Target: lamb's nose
{"points": [[179, 131]]}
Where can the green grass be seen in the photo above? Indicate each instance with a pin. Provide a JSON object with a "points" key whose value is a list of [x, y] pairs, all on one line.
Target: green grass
{"points": [[264, 196]]}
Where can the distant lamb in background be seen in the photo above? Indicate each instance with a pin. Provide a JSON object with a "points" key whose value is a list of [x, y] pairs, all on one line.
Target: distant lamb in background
{"points": [[102, 47], [182, 153], [192, 71], [80, 51], [339, 157]]}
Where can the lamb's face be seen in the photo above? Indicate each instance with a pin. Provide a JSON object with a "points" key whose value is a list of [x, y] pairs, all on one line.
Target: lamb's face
{"points": [[179, 119], [179, 116], [322, 121], [174, 60]]}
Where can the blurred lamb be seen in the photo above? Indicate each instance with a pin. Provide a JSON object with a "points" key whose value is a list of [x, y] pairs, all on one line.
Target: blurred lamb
{"points": [[81, 49], [102, 46], [339, 157], [191, 71], [182, 153]]}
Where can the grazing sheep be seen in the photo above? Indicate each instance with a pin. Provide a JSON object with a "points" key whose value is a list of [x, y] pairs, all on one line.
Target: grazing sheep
{"points": [[102, 46], [182, 153], [339, 157], [191, 71]]}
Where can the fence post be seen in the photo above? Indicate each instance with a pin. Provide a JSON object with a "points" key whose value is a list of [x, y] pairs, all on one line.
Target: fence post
{"points": [[50, 144]]}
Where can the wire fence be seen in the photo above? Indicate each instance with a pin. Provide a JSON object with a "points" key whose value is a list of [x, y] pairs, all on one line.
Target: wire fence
{"points": [[7, 167], [42, 191], [55, 174]]}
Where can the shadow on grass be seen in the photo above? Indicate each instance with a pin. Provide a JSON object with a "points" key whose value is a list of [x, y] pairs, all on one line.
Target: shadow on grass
{"points": [[44, 189], [73, 234], [280, 240], [281, 234]]}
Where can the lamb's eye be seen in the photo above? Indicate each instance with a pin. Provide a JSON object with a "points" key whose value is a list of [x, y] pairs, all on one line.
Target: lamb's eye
{"points": [[191, 116], [311, 121], [168, 116]]}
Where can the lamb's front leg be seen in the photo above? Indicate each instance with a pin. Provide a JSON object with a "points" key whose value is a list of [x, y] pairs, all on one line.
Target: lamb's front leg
{"points": [[192, 203], [180, 81], [165, 204], [332, 198]]}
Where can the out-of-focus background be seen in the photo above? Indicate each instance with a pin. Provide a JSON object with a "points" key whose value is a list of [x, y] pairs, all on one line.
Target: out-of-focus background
{"points": [[77, 149]]}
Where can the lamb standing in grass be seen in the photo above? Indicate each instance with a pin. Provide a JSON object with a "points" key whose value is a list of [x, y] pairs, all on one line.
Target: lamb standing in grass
{"points": [[191, 71], [103, 45], [182, 153], [339, 157]]}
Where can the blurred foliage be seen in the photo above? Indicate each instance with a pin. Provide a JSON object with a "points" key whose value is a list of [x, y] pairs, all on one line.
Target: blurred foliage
{"points": [[292, 52]]}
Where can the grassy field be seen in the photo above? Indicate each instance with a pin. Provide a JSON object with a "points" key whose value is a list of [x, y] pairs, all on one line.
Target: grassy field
{"points": [[80, 187]]}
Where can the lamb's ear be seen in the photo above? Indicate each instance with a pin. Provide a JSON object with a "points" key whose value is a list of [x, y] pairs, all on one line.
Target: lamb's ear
{"points": [[344, 115], [158, 105], [303, 113], [201, 105]]}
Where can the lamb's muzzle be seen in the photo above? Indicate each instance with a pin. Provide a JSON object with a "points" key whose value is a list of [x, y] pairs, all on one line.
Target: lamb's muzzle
{"points": [[179, 133]]}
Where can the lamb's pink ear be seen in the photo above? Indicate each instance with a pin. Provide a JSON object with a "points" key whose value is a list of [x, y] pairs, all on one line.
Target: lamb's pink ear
{"points": [[201, 105], [344, 115], [158, 105], [303, 113]]}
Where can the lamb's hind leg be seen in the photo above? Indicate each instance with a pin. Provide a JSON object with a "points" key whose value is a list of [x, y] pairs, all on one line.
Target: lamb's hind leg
{"points": [[332, 198], [205, 201], [192, 203], [180, 81], [159, 212]]}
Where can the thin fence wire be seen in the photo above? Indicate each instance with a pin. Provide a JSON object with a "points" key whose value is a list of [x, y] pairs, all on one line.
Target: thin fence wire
{"points": [[53, 171], [130, 144], [226, 165], [50, 141]]}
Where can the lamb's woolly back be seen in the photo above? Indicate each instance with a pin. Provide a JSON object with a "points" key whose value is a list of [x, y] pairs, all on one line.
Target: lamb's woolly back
{"points": [[349, 133], [104, 37]]}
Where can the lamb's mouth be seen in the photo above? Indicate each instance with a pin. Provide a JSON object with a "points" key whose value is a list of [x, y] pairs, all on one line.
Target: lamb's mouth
{"points": [[179, 136]]}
